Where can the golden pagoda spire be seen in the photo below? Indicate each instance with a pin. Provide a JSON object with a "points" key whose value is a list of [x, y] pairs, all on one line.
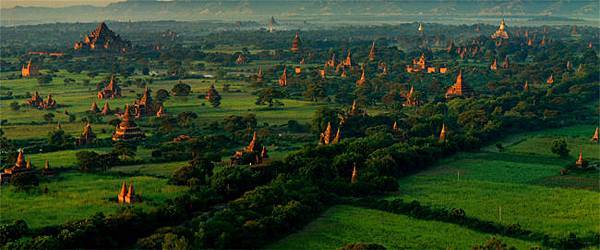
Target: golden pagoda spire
{"points": [[526, 86], [20, 159], [130, 198], [46, 165], [354, 175], [348, 61], [372, 52], [123, 193], [126, 115], [443, 133], [252, 144], [161, 111], [362, 79], [395, 126], [105, 109], [28, 164], [327, 134], [494, 65], [595, 136], [337, 137], [420, 29], [259, 75], [580, 161], [94, 108], [283, 78], [550, 79]]}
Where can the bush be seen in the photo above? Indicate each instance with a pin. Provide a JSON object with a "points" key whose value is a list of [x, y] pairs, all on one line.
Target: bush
{"points": [[13, 231], [362, 246]]}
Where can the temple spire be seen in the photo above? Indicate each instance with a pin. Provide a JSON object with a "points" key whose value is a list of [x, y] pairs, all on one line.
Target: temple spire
{"points": [[354, 175], [20, 159], [283, 78], [252, 143], [595, 136], [443, 133], [372, 52]]}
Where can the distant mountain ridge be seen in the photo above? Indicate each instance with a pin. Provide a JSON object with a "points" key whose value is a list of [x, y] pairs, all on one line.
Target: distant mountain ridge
{"points": [[190, 10]]}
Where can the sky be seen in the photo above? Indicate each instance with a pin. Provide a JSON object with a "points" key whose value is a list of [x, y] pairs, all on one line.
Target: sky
{"points": [[54, 3]]}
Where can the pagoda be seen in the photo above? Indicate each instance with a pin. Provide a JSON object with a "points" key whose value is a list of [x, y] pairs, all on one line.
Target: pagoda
{"points": [[272, 24], [411, 99], [595, 136], [459, 88], [506, 63], [127, 130], [362, 80], [322, 73], [127, 195], [251, 154], [102, 38], [283, 78], [94, 108], [354, 177], [331, 62], [550, 79], [372, 52], [259, 75], [144, 106], [30, 70], [494, 65], [298, 70], [111, 91], [501, 32], [161, 112], [21, 167], [443, 133], [296, 43], [35, 100], [526, 87], [325, 138], [420, 29], [581, 163], [105, 109], [49, 103], [241, 59], [47, 171], [417, 65], [87, 137], [348, 61]]}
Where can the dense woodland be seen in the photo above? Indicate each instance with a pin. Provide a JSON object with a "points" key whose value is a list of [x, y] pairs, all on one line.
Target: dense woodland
{"points": [[250, 205]]}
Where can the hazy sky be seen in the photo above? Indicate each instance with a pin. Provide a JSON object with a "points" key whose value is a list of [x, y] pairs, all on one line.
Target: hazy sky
{"points": [[54, 3]]}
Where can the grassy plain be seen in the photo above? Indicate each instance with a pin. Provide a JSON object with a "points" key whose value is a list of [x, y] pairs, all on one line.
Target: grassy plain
{"points": [[522, 184], [73, 196], [341, 225]]}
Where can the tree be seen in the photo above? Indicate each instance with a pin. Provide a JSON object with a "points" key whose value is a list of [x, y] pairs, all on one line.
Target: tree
{"points": [[267, 96], [125, 149], [314, 92], [48, 117], [161, 95], [213, 96], [185, 119], [181, 89], [363, 246], [559, 147], [15, 106], [493, 244], [58, 138]]}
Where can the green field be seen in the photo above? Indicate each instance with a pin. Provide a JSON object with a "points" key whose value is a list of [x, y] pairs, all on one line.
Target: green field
{"points": [[155, 169], [521, 185], [67, 158], [73, 196], [341, 225]]}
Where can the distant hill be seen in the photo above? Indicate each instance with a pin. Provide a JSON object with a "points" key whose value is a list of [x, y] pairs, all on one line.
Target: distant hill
{"points": [[188, 10]]}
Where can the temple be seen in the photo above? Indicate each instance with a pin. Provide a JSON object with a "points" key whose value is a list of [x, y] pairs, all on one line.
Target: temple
{"points": [[443, 133], [372, 52], [494, 65], [501, 32], [126, 195], [36, 101], [21, 167], [362, 80], [127, 130], [420, 29], [459, 88], [241, 59], [94, 108], [106, 109], [254, 153], [331, 62], [161, 111], [102, 38], [506, 63], [30, 70], [550, 79], [283, 78], [355, 110], [595, 136], [47, 171], [87, 137], [296, 43], [326, 137], [526, 86], [298, 70], [354, 177], [411, 98], [112, 90], [421, 65], [144, 106], [581, 163]]}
